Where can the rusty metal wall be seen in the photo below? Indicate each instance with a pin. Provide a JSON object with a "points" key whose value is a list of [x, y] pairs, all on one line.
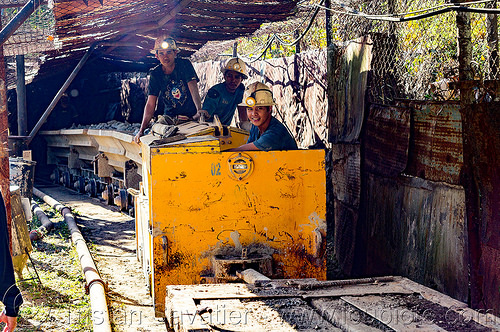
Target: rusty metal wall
{"points": [[412, 217], [346, 190], [436, 150], [417, 228], [482, 183], [386, 139]]}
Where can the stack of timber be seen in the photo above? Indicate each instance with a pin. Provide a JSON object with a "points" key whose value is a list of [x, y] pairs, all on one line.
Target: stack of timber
{"points": [[371, 304]]}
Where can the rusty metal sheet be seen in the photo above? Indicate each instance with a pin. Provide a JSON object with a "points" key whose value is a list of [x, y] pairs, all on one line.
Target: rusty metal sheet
{"points": [[417, 228], [346, 220], [346, 184], [436, 149], [386, 140], [346, 176], [347, 79], [482, 183]]}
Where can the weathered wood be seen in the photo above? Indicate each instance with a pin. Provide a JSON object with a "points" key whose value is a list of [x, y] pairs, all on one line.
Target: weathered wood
{"points": [[402, 305], [336, 312], [181, 314], [251, 276], [351, 68], [389, 313], [358, 290], [339, 283]]}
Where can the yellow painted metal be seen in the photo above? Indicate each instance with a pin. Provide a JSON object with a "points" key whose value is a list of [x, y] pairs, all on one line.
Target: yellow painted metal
{"points": [[197, 206]]}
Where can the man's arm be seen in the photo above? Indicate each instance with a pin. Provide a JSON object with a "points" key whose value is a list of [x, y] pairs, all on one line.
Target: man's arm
{"points": [[11, 322], [149, 110], [195, 94]]}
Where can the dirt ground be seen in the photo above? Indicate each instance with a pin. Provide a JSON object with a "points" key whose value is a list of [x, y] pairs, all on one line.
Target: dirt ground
{"points": [[113, 237]]}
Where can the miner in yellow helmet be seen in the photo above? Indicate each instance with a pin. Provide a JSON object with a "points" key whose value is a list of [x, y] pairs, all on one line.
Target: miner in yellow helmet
{"points": [[223, 98], [173, 85], [267, 133]]}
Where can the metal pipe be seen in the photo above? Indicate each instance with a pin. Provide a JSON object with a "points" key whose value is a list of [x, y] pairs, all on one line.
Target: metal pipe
{"points": [[46, 227], [22, 114], [54, 102], [19, 19], [95, 285]]}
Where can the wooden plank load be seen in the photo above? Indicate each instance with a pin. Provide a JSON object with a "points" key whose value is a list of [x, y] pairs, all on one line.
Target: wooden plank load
{"points": [[370, 304]]}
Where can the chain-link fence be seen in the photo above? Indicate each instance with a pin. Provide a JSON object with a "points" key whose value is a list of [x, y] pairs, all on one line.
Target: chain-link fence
{"points": [[415, 47], [36, 34]]}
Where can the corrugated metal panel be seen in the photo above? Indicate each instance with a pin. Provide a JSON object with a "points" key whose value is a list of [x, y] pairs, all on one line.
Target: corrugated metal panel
{"points": [[436, 149], [417, 228], [347, 81], [386, 140], [135, 22], [482, 174]]}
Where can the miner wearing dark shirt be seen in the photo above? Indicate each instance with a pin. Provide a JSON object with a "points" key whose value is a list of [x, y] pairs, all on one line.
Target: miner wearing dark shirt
{"points": [[267, 133], [9, 293], [223, 98], [173, 85]]}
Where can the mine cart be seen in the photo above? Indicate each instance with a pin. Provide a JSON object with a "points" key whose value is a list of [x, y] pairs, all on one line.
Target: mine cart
{"points": [[203, 213]]}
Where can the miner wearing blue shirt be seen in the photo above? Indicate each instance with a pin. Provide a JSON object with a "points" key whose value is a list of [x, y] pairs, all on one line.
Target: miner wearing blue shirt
{"points": [[9, 293], [267, 133], [173, 85], [223, 98]]}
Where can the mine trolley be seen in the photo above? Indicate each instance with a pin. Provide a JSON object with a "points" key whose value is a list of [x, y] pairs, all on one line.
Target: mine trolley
{"points": [[204, 212]]}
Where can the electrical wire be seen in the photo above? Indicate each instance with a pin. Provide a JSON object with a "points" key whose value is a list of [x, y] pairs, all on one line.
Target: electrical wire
{"points": [[459, 7], [275, 37]]}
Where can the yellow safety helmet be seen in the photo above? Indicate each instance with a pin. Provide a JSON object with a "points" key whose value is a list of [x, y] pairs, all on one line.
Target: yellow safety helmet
{"points": [[259, 94], [236, 65], [164, 43]]}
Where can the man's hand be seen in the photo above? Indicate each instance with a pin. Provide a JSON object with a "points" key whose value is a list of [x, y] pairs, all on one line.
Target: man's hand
{"points": [[137, 138], [10, 321], [201, 113]]}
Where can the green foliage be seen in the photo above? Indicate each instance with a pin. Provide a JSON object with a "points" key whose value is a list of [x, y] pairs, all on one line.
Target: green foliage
{"points": [[58, 302]]}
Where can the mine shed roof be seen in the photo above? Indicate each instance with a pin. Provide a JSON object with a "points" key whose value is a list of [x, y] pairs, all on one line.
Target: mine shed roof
{"points": [[123, 31]]}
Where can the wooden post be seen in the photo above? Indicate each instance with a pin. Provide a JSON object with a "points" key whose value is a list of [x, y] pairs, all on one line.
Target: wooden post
{"points": [[4, 148], [22, 115]]}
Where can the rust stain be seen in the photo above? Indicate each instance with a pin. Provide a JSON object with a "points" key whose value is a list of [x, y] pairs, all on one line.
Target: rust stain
{"points": [[386, 140], [284, 174], [182, 175], [436, 148]]}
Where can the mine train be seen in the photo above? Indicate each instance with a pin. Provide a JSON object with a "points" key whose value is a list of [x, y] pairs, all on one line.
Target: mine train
{"points": [[203, 213]]}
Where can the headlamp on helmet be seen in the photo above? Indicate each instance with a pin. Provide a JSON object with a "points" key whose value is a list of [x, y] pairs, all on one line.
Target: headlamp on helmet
{"points": [[260, 95], [236, 65], [165, 44]]}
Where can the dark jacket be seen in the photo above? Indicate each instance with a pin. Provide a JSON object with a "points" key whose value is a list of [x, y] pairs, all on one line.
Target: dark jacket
{"points": [[9, 293]]}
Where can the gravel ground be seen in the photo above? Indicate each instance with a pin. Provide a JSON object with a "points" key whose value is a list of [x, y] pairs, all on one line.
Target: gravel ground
{"points": [[112, 238]]}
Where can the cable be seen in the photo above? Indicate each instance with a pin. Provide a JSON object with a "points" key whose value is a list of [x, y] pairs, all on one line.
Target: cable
{"points": [[275, 37], [461, 7]]}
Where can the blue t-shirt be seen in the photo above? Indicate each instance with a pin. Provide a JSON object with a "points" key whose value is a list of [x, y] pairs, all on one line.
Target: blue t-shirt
{"points": [[174, 97], [223, 103], [276, 137]]}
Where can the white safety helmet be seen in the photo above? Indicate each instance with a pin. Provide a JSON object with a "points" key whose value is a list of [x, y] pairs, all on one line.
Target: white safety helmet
{"points": [[236, 65], [258, 94], [164, 43]]}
